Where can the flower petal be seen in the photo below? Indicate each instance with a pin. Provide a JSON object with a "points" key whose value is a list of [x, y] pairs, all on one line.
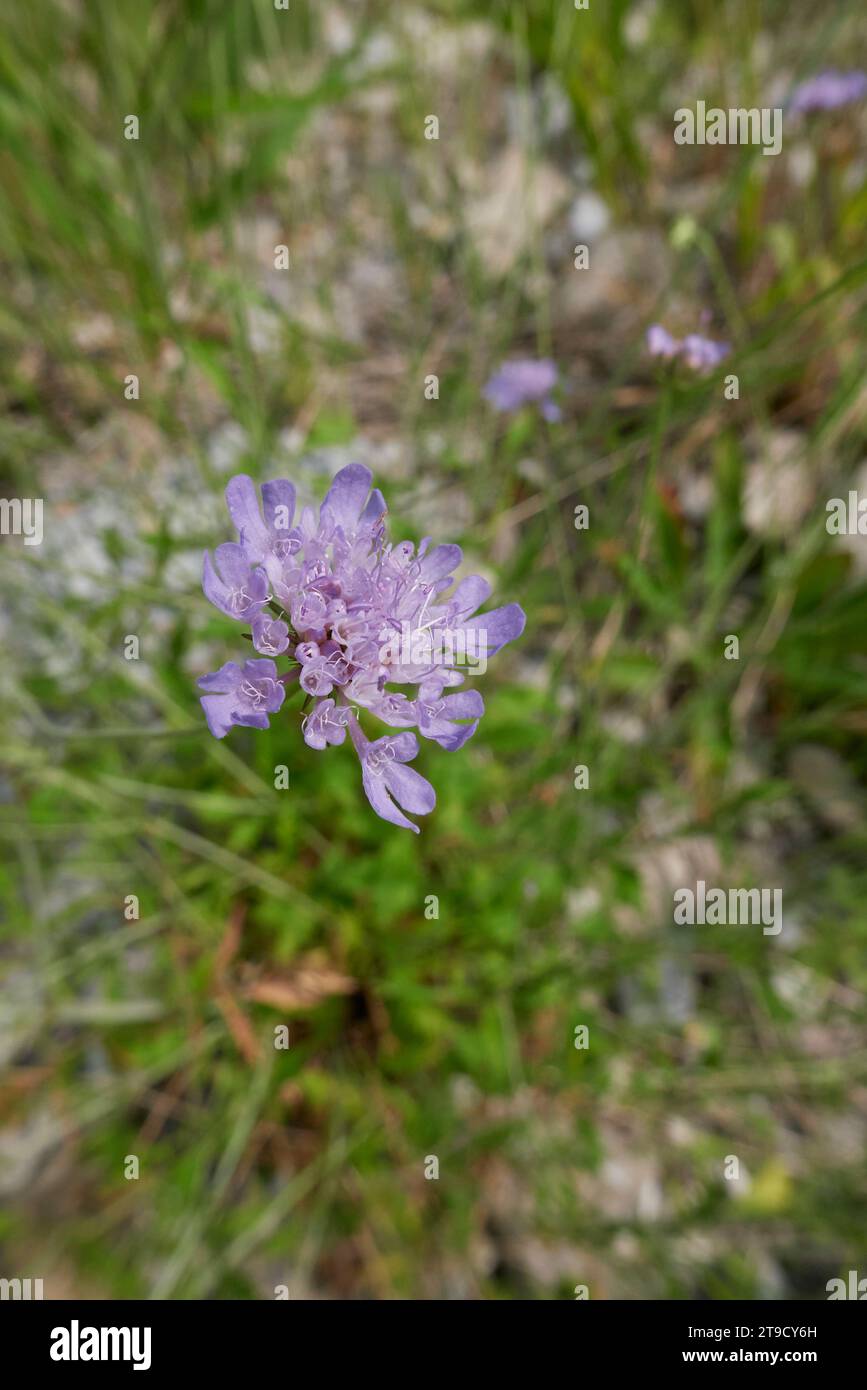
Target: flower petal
{"points": [[412, 791], [218, 713], [437, 718], [250, 718], [278, 494], [377, 795], [501, 625], [260, 667], [233, 564], [376, 507], [243, 504], [469, 595], [405, 747], [221, 682], [437, 563], [346, 497]]}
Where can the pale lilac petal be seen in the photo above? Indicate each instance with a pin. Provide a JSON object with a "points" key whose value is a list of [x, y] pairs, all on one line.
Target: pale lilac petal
{"points": [[260, 668], [278, 500], [222, 681], [375, 508], [218, 713], [405, 747], [377, 795], [460, 735], [346, 497], [243, 504], [438, 716], [441, 561], [233, 564], [248, 718], [215, 590], [412, 791], [469, 595], [227, 598], [500, 626], [466, 704]]}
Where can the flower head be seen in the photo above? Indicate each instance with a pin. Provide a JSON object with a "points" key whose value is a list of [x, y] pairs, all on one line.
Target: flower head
{"points": [[356, 616], [524, 382], [829, 90]]}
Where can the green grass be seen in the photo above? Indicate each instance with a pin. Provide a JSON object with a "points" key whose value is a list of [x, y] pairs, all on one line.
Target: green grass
{"points": [[416, 1035]]}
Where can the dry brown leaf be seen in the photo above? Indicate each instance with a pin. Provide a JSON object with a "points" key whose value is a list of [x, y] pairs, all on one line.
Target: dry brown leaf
{"points": [[301, 989]]}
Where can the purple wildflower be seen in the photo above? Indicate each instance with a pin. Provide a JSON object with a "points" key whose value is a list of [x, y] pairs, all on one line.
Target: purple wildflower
{"points": [[829, 90], [270, 636], [241, 695], [700, 354], [522, 382], [327, 724], [388, 782], [234, 587], [660, 342], [356, 616]]}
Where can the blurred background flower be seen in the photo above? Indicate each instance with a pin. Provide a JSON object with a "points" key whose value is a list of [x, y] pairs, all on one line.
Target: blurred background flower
{"points": [[829, 90], [700, 354], [525, 382]]}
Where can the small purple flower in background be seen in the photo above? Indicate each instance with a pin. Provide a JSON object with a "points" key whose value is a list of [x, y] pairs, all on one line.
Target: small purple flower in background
{"points": [[829, 90], [346, 607], [660, 342], [524, 382], [700, 354]]}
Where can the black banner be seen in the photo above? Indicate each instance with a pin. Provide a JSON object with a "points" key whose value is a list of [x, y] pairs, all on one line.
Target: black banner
{"points": [[75, 1338]]}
